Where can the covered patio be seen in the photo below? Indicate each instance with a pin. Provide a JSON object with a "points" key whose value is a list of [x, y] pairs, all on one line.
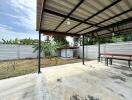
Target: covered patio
{"points": [[95, 18]]}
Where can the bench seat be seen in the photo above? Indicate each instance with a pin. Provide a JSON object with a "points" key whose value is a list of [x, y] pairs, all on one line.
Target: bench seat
{"points": [[119, 58]]}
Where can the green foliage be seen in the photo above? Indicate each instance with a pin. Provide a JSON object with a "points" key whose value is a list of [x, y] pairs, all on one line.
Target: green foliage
{"points": [[113, 39], [4, 41], [61, 39], [105, 40], [120, 38], [76, 41], [128, 37], [47, 47], [15, 41], [26, 41], [90, 40]]}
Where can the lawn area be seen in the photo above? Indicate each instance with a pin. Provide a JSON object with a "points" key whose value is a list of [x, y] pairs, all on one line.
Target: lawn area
{"points": [[14, 68]]}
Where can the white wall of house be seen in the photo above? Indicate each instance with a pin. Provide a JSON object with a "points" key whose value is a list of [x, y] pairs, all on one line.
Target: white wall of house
{"points": [[67, 53], [8, 52]]}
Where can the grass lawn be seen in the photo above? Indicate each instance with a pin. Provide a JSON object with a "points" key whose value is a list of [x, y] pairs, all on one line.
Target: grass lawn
{"points": [[20, 67]]}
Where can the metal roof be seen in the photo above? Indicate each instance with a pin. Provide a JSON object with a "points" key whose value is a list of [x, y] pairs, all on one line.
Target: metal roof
{"points": [[97, 17]]}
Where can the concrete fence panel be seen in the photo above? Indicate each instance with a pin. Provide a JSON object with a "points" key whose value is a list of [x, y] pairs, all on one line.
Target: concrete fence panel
{"points": [[8, 52]]}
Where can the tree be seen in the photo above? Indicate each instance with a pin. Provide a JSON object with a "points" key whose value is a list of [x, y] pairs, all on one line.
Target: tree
{"points": [[4, 41], [26, 41], [61, 39], [15, 41], [120, 38], [76, 41], [47, 48]]}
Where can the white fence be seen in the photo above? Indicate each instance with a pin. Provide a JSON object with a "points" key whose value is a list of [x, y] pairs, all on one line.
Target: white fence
{"points": [[91, 52], [16, 52]]}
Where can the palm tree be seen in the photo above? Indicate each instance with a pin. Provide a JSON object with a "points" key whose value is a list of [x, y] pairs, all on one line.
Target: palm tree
{"points": [[47, 48]]}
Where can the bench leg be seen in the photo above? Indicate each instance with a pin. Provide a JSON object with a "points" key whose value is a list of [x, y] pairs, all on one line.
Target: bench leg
{"points": [[111, 61], [101, 59], [97, 59], [106, 61], [129, 63]]}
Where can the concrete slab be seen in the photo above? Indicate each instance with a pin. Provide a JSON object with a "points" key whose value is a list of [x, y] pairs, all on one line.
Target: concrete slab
{"points": [[91, 81]]}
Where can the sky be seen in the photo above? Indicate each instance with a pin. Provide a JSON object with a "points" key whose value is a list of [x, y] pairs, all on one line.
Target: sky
{"points": [[18, 19]]}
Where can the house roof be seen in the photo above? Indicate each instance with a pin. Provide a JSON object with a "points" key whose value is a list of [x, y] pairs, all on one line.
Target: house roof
{"points": [[96, 17]]}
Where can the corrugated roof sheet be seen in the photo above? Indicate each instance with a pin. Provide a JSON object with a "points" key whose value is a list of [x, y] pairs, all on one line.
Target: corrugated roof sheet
{"points": [[88, 17]]}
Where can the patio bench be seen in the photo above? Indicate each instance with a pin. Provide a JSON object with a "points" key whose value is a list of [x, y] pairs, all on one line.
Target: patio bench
{"points": [[107, 59], [110, 57]]}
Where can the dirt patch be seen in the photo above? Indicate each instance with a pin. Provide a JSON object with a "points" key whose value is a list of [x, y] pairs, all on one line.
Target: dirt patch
{"points": [[118, 77], [92, 98], [122, 68], [77, 97], [126, 74], [122, 95], [12, 68], [110, 89], [59, 80]]}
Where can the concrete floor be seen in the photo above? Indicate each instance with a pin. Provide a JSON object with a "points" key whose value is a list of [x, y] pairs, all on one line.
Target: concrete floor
{"points": [[91, 81]]}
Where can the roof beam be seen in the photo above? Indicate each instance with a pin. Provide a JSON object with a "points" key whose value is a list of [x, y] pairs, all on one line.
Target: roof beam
{"points": [[72, 18], [114, 24], [81, 1], [126, 29], [48, 32], [96, 13], [42, 13], [108, 19]]}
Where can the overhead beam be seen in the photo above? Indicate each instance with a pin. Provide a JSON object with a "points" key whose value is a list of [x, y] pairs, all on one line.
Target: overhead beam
{"points": [[104, 9], [121, 30], [114, 24], [72, 18], [109, 35], [107, 19], [81, 1], [42, 13], [96, 13], [48, 32]]}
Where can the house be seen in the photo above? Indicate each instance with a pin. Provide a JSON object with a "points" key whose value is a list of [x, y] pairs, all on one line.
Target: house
{"points": [[67, 52]]}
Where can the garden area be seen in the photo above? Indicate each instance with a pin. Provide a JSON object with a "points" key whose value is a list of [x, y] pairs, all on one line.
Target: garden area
{"points": [[25, 53], [12, 68]]}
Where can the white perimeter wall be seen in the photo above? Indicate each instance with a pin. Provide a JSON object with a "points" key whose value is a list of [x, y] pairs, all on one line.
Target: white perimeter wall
{"points": [[91, 52], [16, 52]]}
